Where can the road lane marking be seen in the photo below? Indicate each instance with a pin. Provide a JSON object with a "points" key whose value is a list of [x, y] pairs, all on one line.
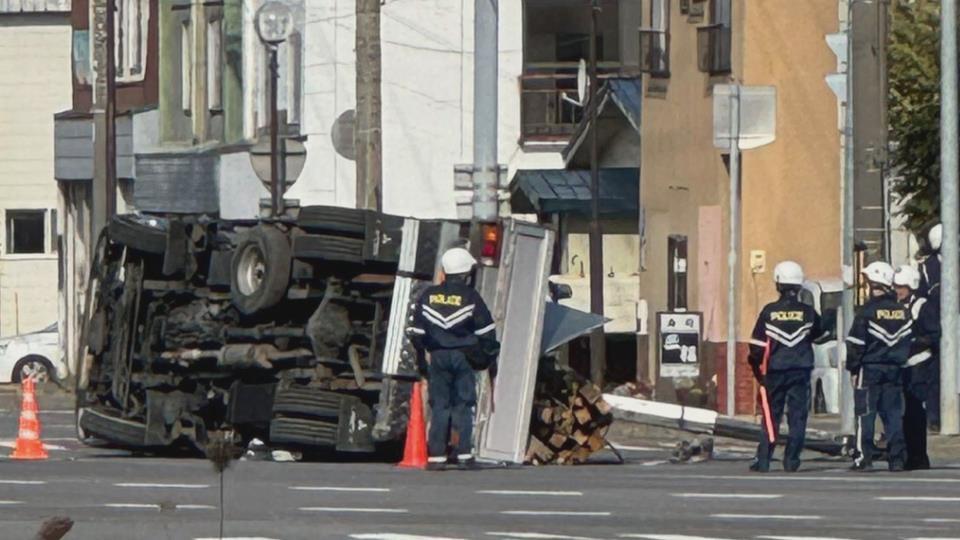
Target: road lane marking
{"points": [[552, 513], [654, 463], [727, 495], [133, 505], [338, 488], [539, 536], [635, 448], [195, 507], [353, 510], [24, 482], [942, 520], [60, 426], [669, 537], [236, 538], [763, 516], [537, 493], [767, 478], [918, 499], [10, 502], [169, 486], [801, 538], [59, 411], [10, 443], [393, 536]]}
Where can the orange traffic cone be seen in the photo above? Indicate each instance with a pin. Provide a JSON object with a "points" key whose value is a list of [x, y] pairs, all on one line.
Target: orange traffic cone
{"points": [[29, 445], [415, 449]]}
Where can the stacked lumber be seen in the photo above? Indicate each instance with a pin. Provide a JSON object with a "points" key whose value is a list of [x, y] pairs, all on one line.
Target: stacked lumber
{"points": [[570, 418]]}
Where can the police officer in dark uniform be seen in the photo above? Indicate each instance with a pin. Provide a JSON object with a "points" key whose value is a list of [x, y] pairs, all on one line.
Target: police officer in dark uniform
{"points": [[454, 325], [788, 327], [877, 349], [916, 373], [930, 289]]}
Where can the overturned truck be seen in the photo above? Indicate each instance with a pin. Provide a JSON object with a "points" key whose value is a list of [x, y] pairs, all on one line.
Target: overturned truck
{"points": [[289, 330]]}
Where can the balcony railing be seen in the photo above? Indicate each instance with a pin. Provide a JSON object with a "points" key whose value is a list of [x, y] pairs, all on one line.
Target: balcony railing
{"points": [[713, 49], [655, 52], [548, 99]]}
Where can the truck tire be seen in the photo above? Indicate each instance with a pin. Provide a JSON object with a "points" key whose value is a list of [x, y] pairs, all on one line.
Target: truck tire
{"points": [[140, 233], [106, 426], [260, 270], [328, 248]]}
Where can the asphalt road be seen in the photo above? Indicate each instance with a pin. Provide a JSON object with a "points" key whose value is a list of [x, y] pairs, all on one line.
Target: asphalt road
{"points": [[112, 495]]}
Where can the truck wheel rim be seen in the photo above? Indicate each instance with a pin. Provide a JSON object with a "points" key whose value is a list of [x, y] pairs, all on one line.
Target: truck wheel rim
{"points": [[36, 371], [251, 271]]}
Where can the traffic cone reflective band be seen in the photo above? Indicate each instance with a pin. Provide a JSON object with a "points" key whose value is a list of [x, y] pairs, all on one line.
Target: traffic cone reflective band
{"points": [[28, 444], [415, 449]]}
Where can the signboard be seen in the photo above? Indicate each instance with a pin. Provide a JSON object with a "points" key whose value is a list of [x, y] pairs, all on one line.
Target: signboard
{"points": [[679, 336], [758, 115]]}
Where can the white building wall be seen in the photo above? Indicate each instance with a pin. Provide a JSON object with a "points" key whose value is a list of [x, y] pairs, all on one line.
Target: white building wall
{"points": [[427, 91], [35, 60]]}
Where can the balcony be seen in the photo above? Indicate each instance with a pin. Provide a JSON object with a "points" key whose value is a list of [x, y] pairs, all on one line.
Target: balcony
{"points": [[548, 96], [713, 49], [655, 52]]}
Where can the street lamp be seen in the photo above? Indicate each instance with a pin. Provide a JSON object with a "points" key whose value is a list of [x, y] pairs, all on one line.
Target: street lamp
{"points": [[274, 23]]}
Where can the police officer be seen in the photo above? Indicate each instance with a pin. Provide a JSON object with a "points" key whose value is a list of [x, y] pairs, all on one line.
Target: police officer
{"points": [[877, 349], [788, 327], [930, 268], [930, 289], [450, 322], [916, 374]]}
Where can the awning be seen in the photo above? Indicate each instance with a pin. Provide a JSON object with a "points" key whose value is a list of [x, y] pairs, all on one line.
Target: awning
{"points": [[562, 324], [553, 191]]}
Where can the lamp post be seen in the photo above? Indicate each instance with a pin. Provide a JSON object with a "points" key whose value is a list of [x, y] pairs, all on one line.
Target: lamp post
{"points": [[274, 23]]}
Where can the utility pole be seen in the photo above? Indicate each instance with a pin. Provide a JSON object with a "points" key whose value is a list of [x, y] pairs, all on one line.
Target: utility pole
{"points": [[486, 67], [847, 418], [949, 215], [734, 245], [104, 188], [598, 344], [368, 132]]}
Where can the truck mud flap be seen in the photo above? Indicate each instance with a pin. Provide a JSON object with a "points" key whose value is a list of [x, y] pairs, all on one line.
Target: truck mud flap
{"points": [[102, 425], [329, 248]]}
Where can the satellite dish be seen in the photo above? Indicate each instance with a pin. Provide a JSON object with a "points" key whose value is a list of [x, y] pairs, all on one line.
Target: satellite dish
{"points": [[582, 81]]}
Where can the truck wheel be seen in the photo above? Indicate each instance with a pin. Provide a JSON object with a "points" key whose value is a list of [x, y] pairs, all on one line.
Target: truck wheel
{"points": [[260, 270], [141, 233]]}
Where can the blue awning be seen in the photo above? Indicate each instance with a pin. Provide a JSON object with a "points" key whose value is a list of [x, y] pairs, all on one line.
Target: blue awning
{"points": [[558, 191]]}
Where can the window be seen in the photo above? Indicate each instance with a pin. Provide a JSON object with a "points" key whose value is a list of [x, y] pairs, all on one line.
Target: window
{"points": [[131, 44], [186, 67], [655, 41], [215, 64], [294, 82], [676, 272], [26, 231], [714, 40]]}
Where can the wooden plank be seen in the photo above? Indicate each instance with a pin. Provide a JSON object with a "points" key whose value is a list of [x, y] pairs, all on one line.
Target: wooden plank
{"points": [[583, 415]]}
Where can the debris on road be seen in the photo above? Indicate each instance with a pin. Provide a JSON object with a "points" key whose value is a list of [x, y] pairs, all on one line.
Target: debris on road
{"points": [[570, 417], [696, 451], [707, 422]]}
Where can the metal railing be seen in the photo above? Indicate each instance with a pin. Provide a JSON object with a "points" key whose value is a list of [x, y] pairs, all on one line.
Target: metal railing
{"points": [[655, 52], [713, 49], [549, 106]]}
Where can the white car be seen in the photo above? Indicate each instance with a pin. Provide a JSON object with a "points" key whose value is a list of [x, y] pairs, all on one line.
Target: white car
{"points": [[34, 355], [825, 296]]}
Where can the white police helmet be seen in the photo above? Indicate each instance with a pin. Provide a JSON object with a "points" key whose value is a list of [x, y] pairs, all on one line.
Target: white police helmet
{"points": [[907, 276], [879, 273], [788, 273], [457, 261], [935, 237]]}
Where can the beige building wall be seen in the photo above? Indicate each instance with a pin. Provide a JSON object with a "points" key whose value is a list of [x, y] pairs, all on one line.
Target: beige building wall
{"points": [[35, 62], [791, 188]]}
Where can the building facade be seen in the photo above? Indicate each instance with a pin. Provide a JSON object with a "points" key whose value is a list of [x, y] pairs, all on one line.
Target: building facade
{"points": [[790, 189], [35, 61]]}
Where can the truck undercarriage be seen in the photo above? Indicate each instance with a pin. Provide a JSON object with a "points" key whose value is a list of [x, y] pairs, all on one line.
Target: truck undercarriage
{"points": [[273, 330]]}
